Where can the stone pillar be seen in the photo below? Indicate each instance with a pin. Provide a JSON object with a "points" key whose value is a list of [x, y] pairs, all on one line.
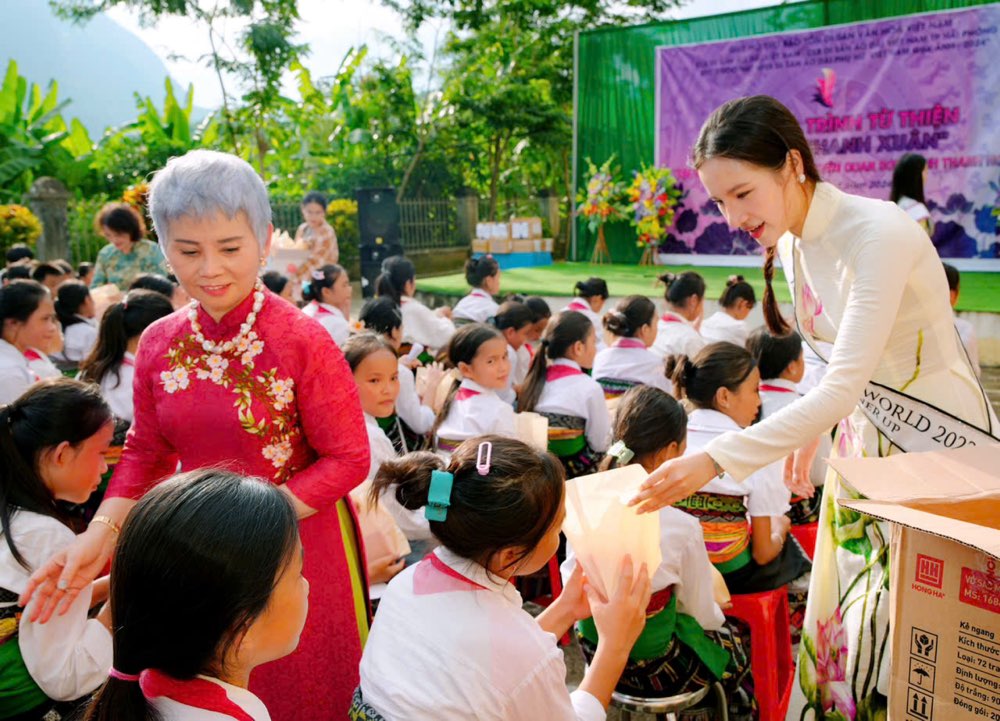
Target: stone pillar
{"points": [[467, 216], [49, 200], [548, 209]]}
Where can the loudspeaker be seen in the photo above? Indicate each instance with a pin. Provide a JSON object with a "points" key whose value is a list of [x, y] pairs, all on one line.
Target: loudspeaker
{"points": [[371, 264], [378, 216]]}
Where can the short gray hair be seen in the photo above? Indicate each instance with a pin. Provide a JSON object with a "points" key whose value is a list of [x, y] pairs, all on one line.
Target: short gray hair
{"points": [[204, 182]]}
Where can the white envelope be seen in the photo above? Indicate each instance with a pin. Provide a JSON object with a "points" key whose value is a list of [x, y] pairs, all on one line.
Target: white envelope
{"points": [[602, 529]]}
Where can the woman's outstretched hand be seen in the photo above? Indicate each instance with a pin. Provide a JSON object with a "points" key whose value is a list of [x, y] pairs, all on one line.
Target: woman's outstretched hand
{"points": [[674, 481]]}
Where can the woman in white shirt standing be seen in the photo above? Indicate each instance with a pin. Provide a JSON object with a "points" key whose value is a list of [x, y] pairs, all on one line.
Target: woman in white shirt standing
{"points": [[327, 291], [677, 332], [431, 329], [483, 274], [867, 279], [908, 189], [729, 324], [628, 361], [27, 321], [451, 640]]}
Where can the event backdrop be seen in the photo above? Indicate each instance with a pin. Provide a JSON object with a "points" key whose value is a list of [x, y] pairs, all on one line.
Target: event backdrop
{"points": [[866, 93]]}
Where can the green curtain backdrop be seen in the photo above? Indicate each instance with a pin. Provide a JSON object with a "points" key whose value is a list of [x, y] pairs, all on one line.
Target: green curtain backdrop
{"points": [[616, 82]]}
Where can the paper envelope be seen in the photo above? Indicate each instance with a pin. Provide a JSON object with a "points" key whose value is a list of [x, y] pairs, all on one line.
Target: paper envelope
{"points": [[602, 529]]}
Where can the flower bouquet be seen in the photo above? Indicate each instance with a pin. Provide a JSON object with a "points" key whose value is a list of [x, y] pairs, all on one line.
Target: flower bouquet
{"points": [[653, 195], [601, 202]]}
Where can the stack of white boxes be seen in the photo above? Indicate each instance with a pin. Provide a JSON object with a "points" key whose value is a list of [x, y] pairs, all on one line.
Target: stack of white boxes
{"points": [[520, 235]]}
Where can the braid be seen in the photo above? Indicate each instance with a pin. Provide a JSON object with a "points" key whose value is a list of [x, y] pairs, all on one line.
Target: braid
{"points": [[772, 315]]}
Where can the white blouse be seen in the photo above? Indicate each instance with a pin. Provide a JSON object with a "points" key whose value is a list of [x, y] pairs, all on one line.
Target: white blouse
{"points": [[477, 306], [775, 394], [676, 336], [331, 318], [508, 394], [424, 326], [475, 411], [629, 359], [117, 388], [183, 702], [881, 293], [582, 306], [721, 326], [685, 567], [80, 339], [520, 371], [413, 524], [451, 642], [578, 395], [416, 415], [41, 365], [69, 656], [765, 490], [15, 374]]}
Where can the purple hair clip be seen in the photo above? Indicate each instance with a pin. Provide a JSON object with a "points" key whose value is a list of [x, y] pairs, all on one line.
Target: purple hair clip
{"points": [[484, 456]]}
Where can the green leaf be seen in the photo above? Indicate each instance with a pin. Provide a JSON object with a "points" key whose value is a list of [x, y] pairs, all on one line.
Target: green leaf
{"points": [[78, 141], [8, 94]]}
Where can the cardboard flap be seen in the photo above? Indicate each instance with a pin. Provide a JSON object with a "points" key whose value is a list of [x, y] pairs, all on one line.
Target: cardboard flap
{"points": [[968, 474], [971, 534]]}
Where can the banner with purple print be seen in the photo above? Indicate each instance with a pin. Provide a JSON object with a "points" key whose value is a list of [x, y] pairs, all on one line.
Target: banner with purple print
{"points": [[865, 93]]}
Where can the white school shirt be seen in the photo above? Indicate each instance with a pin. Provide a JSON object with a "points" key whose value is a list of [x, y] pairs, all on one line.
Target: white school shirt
{"points": [[477, 306], [524, 358], [628, 359], [507, 394], [475, 411], [775, 394], [676, 336], [765, 490], [451, 642], [79, 339], [413, 524], [721, 326], [69, 656], [41, 365], [577, 394], [331, 318], [424, 326], [968, 335], [183, 704], [580, 305], [117, 388], [815, 366], [15, 373], [685, 567], [412, 412]]}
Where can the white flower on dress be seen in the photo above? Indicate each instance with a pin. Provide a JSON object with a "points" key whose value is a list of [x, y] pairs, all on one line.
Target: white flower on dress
{"points": [[282, 390], [201, 374], [169, 383], [175, 380], [216, 375], [181, 376], [278, 453], [216, 361]]}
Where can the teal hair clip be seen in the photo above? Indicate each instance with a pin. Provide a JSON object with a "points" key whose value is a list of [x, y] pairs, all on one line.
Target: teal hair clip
{"points": [[620, 451], [439, 496]]}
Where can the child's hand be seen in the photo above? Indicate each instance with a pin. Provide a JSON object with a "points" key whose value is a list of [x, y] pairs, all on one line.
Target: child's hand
{"points": [[384, 569], [432, 379], [574, 597], [410, 363], [621, 619], [444, 311]]}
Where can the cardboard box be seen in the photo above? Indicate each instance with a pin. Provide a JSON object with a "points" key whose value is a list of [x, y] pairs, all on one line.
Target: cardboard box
{"points": [[500, 245], [525, 228], [944, 510], [480, 245], [490, 231]]}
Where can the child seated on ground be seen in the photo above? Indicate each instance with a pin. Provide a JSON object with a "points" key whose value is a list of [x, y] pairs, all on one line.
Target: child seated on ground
{"points": [[721, 385], [677, 332], [327, 292], [451, 640], [179, 660], [75, 309], [781, 362], [52, 444], [687, 642], [729, 322], [473, 407], [591, 296], [572, 401], [628, 361], [514, 321], [483, 275]]}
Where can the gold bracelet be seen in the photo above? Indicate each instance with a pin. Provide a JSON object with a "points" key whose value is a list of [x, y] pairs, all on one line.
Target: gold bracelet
{"points": [[107, 521]]}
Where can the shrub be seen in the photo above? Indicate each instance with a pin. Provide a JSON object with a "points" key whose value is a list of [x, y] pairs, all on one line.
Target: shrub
{"points": [[342, 214], [18, 225]]}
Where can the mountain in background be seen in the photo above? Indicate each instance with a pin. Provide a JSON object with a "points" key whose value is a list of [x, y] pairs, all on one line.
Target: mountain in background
{"points": [[98, 64]]}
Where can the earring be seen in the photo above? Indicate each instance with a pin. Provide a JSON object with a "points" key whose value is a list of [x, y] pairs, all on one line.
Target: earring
{"points": [[802, 178]]}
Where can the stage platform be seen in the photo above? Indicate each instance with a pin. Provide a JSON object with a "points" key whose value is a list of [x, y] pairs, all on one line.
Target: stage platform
{"points": [[509, 261]]}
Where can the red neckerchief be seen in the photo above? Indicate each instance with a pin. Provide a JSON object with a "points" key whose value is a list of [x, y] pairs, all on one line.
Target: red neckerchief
{"points": [[196, 692], [465, 394], [578, 305], [775, 389], [432, 575], [480, 293], [32, 355], [128, 362], [671, 318], [554, 373], [320, 310], [629, 343]]}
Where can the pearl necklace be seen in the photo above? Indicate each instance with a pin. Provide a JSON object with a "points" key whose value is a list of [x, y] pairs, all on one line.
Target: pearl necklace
{"points": [[239, 338]]}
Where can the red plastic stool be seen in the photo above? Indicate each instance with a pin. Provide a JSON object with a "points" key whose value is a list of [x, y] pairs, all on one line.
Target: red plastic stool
{"points": [[770, 649], [806, 536]]}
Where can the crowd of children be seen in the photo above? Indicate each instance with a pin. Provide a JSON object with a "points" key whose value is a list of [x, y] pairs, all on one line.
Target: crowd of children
{"points": [[456, 503]]}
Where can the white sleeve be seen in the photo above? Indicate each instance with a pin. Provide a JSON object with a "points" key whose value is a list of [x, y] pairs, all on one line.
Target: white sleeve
{"points": [[598, 419], [695, 593], [69, 656], [768, 494], [881, 269], [13, 382], [417, 416], [426, 327], [504, 425], [341, 331]]}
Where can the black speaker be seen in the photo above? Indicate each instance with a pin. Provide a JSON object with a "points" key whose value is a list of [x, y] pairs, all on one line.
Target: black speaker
{"points": [[378, 216], [371, 264]]}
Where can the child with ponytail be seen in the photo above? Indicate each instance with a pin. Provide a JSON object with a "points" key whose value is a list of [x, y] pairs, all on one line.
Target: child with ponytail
{"points": [[687, 642], [514, 320], [628, 361], [721, 384], [591, 296], [572, 401], [52, 444], [327, 292], [729, 323], [677, 332], [483, 274], [451, 639], [75, 309], [188, 635], [473, 407], [430, 328]]}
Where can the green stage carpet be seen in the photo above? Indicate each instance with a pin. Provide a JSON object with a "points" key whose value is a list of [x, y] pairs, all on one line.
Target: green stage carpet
{"points": [[980, 291]]}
